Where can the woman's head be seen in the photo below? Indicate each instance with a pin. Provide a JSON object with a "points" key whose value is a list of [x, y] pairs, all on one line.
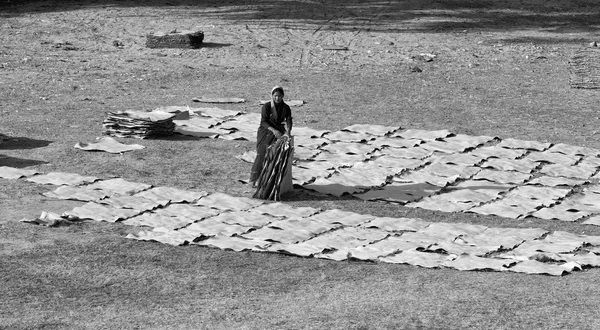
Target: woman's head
{"points": [[277, 94]]}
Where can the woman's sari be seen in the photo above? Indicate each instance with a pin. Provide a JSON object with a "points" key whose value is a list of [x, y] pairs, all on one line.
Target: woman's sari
{"points": [[276, 175]]}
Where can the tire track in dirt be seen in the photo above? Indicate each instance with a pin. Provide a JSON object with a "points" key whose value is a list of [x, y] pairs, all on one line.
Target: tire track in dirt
{"points": [[309, 42], [378, 15], [319, 37], [331, 32]]}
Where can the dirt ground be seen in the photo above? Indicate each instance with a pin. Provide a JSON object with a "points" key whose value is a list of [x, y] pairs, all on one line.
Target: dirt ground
{"points": [[500, 68], [497, 68]]}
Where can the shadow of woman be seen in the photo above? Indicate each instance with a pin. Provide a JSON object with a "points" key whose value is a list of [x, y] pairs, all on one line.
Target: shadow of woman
{"points": [[300, 193]]}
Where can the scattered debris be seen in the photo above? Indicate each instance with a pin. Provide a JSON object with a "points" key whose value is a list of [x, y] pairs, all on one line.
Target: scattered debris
{"points": [[425, 57], [334, 47], [61, 44], [49, 219], [414, 68]]}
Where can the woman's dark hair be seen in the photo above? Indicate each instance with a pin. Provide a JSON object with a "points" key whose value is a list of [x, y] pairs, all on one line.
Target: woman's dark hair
{"points": [[277, 89]]}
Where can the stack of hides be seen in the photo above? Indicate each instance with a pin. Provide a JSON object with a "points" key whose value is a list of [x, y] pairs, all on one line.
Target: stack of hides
{"points": [[276, 170], [175, 39], [139, 124]]}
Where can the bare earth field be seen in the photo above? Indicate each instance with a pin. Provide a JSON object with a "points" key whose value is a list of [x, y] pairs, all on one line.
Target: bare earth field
{"points": [[501, 68]]}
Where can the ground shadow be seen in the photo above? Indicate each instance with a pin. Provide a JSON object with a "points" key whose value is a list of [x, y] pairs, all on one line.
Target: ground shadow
{"points": [[15, 143], [179, 137], [19, 162], [399, 16], [402, 194], [214, 45], [300, 193]]}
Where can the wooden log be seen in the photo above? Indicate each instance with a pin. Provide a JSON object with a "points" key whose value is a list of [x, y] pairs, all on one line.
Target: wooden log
{"points": [[175, 39]]}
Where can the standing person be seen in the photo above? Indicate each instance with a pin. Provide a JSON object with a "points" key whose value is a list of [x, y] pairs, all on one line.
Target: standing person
{"points": [[275, 122]]}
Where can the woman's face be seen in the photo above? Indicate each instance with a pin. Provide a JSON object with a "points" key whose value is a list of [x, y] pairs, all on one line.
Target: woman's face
{"points": [[277, 97]]}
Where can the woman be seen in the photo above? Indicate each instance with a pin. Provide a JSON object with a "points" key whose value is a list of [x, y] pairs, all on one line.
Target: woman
{"points": [[275, 122]]}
